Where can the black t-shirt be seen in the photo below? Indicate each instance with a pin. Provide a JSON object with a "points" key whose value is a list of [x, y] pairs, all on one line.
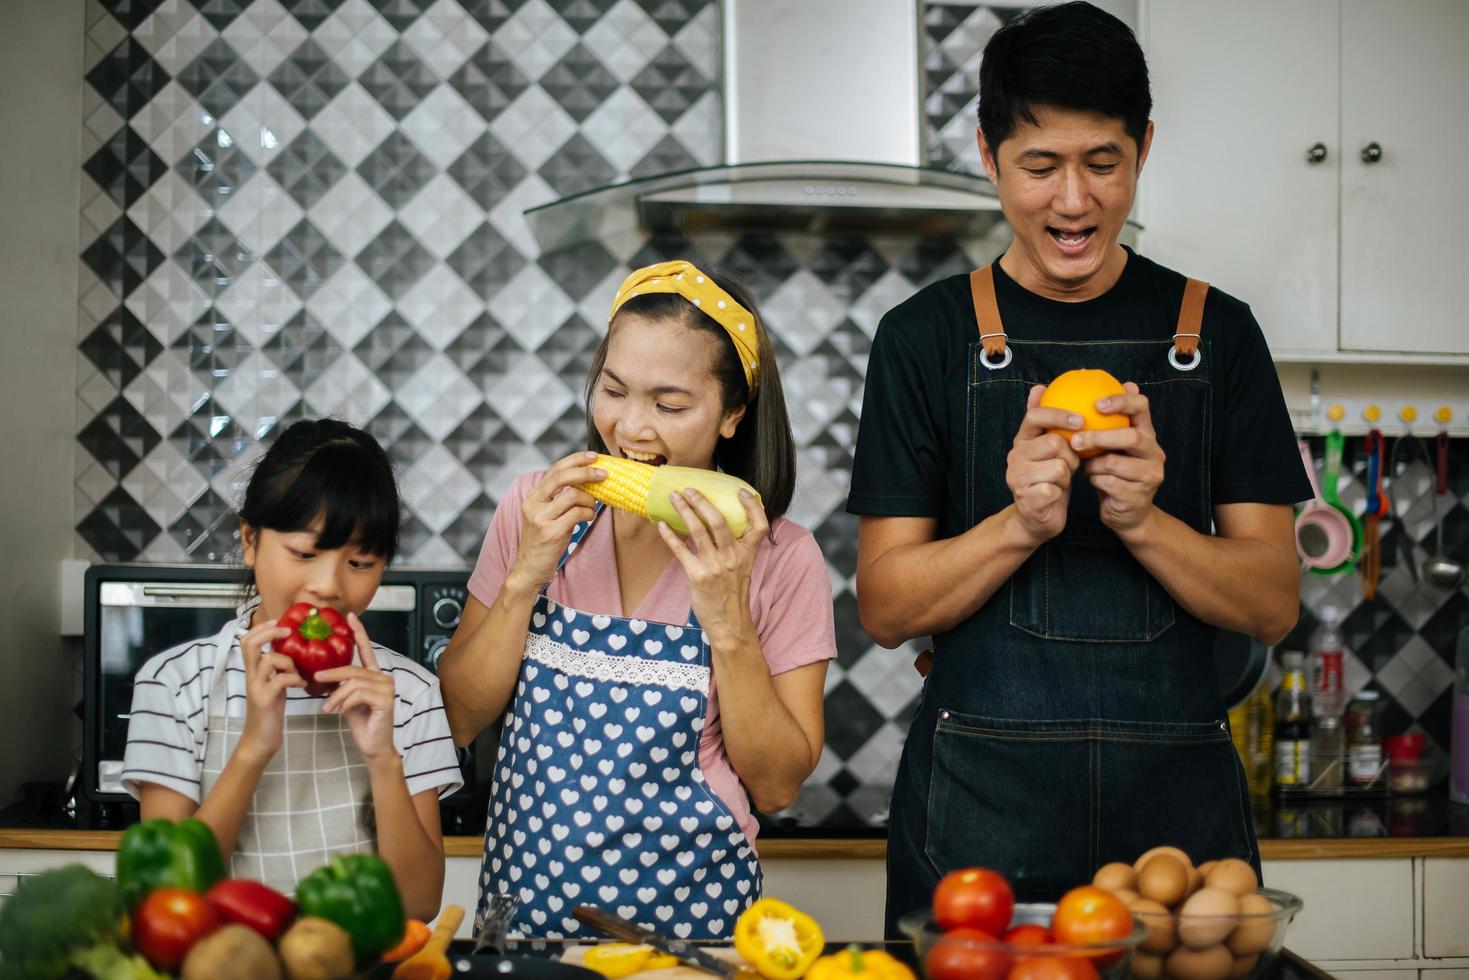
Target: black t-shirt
{"points": [[910, 441]]}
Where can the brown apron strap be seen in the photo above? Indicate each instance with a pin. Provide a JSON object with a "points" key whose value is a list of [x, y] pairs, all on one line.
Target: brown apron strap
{"points": [[1190, 318], [987, 311]]}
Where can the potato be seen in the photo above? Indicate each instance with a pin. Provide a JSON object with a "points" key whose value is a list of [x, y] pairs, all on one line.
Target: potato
{"points": [[234, 952], [315, 949]]}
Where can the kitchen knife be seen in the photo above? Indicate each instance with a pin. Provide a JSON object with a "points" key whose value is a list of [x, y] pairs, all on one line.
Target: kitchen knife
{"points": [[685, 952]]}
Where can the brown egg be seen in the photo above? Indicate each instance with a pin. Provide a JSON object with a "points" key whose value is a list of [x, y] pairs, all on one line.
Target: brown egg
{"points": [[1256, 928], [1162, 929], [1213, 963], [1206, 867], [1116, 877], [1207, 918], [1126, 895], [1164, 879], [1195, 880], [1147, 855], [1243, 966], [1232, 875], [1145, 966]]}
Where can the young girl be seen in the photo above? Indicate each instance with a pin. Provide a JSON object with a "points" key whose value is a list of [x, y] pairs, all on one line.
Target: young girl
{"points": [[222, 728], [622, 779]]}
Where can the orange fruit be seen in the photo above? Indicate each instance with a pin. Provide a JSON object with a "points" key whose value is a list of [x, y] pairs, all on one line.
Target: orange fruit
{"points": [[1078, 391]]}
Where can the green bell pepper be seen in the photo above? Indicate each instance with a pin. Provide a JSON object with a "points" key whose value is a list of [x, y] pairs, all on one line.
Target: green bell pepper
{"points": [[358, 893], [158, 853]]}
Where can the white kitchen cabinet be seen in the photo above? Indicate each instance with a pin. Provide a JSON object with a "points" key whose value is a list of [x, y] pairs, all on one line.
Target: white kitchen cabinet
{"points": [[1355, 909], [1241, 91], [1257, 179], [1446, 909]]}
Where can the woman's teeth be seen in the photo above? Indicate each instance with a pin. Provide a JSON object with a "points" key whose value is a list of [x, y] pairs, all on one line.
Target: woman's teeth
{"points": [[653, 458]]}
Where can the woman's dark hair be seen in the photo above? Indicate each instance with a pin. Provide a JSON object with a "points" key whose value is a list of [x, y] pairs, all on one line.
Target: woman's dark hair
{"points": [[1069, 56], [329, 471], [762, 452]]}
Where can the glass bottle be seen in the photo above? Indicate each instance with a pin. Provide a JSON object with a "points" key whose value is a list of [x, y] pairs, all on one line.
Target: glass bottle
{"points": [[1364, 740], [1292, 724], [1252, 727], [1327, 652]]}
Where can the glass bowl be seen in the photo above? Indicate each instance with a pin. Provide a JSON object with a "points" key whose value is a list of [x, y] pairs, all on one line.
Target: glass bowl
{"points": [[1213, 947], [996, 960]]}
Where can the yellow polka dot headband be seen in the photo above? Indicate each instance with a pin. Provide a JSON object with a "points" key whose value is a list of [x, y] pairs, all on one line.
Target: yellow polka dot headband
{"points": [[685, 280]]}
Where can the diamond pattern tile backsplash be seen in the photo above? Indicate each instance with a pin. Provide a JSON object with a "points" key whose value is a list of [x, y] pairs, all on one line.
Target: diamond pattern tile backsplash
{"points": [[296, 208]]}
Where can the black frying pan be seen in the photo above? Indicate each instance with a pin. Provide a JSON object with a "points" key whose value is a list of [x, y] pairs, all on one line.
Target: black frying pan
{"points": [[1240, 662]]}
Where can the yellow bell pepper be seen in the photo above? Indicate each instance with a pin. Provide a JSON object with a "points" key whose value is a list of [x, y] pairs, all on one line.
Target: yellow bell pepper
{"points": [[855, 963], [778, 941], [615, 960]]}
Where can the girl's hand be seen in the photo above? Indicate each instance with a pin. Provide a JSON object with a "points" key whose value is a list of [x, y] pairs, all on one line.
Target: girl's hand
{"points": [[553, 507], [364, 697], [267, 677], [719, 569]]}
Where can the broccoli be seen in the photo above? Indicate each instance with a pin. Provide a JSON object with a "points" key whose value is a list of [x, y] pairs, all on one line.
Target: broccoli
{"points": [[62, 921]]}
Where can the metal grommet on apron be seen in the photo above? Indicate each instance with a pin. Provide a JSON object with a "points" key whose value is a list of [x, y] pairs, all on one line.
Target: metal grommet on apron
{"points": [[1190, 320], [314, 799]]}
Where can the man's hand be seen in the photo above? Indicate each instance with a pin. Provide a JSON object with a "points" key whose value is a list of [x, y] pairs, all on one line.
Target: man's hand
{"points": [[1129, 470], [1039, 468]]}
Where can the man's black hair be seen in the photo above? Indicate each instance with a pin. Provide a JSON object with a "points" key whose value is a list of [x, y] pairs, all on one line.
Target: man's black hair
{"points": [[1068, 56]]}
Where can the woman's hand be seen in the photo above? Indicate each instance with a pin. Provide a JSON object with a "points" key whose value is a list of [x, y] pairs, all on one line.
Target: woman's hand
{"points": [[364, 697], [550, 510], [1129, 471], [268, 675], [1039, 468], [719, 565]]}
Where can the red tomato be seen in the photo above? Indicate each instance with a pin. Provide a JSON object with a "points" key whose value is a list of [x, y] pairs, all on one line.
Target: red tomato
{"points": [[1053, 968], [1092, 915], [168, 922], [959, 955], [973, 897], [1028, 935]]}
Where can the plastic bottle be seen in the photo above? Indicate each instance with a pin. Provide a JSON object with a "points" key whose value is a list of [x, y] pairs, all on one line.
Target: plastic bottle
{"points": [[1328, 696], [1364, 740], [1252, 726], [1292, 724], [1459, 749]]}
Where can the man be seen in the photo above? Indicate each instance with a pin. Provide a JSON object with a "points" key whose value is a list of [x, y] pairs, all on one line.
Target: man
{"points": [[1071, 716]]}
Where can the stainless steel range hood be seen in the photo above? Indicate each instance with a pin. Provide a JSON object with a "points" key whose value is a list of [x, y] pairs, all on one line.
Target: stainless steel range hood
{"points": [[821, 103]]}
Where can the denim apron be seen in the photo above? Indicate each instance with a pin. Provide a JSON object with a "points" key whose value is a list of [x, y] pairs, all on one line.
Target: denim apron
{"points": [[598, 797], [1075, 718]]}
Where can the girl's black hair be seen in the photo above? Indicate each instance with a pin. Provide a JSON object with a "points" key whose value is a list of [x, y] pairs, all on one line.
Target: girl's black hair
{"points": [[762, 452], [330, 471]]}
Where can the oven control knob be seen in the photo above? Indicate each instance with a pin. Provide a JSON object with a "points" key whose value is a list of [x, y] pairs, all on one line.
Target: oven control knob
{"points": [[435, 652], [447, 611]]}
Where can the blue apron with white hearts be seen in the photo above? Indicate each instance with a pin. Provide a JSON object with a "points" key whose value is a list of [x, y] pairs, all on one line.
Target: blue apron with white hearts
{"points": [[598, 797]]}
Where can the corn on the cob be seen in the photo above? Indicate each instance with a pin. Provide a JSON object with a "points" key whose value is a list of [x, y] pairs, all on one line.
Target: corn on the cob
{"points": [[643, 489]]}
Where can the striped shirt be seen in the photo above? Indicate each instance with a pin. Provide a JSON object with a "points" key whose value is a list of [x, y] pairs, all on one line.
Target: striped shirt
{"points": [[166, 733]]}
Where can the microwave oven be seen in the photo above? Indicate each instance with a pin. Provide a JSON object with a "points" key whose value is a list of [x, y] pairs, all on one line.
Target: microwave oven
{"points": [[133, 611]]}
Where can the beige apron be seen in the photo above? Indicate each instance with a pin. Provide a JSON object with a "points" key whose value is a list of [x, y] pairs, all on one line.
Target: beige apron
{"points": [[314, 799]]}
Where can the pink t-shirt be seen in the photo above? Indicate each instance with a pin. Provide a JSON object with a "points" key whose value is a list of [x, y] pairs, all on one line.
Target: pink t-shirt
{"points": [[790, 602]]}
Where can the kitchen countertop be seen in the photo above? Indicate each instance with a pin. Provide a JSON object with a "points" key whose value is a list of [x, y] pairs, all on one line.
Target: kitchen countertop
{"points": [[1405, 826]]}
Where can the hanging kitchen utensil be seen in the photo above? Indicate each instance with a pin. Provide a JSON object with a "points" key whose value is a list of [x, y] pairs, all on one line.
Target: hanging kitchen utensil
{"points": [[1405, 539], [1441, 570], [1326, 541], [1372, 516]]}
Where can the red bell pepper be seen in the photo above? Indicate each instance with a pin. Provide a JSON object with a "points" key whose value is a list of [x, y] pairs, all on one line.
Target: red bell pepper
{"points": [[252, 904], [320, 640], [170, 921]]}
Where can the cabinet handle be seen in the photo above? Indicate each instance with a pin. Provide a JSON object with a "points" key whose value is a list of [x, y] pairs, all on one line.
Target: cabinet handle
{"points": [[1371, 153], [1316, 153]]}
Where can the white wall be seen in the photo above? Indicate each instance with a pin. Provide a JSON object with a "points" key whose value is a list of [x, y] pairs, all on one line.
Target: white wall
{"points": [[40, 135]]}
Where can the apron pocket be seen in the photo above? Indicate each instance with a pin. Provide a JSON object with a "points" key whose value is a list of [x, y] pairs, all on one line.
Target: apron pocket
{"points": [[1013, 796], [1173, 783], [1085, 585]]}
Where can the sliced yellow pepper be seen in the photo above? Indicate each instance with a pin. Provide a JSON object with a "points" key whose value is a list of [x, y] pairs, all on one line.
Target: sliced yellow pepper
{"points": [[618, 959], [777, 940], [855, 963]]}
